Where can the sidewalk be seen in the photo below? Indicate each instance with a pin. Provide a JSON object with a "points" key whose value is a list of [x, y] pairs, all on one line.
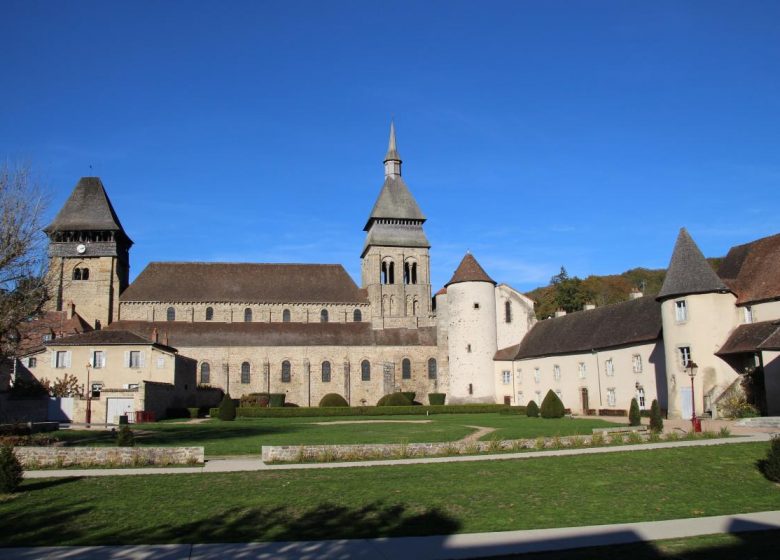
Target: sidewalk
{"points": [[440, 547], [253, 463]]}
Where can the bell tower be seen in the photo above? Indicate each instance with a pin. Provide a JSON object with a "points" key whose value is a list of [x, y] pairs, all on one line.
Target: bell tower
{"points": [[89, 255], [395, 258]]}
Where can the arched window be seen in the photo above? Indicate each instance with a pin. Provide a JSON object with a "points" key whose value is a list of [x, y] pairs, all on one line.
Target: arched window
{"points": [[388, 272], [286, 373], [77, 273], [415, 306], [286, 316], [326, 372], [247, 315], [407, 274], [414, 273], [324, 316], [209, 313], [245, 372], [432, 368], [357, 316], [508, 311], [170, 314], [205, 373], [365, 370], [85, 274], [391, 273], [406, 369]]}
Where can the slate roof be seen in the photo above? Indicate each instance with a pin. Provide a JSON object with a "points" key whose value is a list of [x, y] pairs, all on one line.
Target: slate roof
{"points": [[395, 202], [630, 322], [752, 270], [748, 338], [244, 283], [507, 354], [392, 150], [200, 334], [689, 272], [87, 209], [469, 270], [772, 342], [53, 323], [113, 337]]}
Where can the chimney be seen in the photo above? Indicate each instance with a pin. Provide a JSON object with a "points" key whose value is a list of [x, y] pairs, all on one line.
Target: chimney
{"points": [[155, 335], [588, 306], [70, 309], [635, 294], [560, 313]]}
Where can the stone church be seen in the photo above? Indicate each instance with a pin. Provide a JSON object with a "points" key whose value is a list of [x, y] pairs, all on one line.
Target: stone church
{"points": [[306, 330]]}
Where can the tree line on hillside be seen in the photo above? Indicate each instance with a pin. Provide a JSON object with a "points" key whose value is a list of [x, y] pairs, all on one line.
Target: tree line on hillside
{"points": [[572, 293]]}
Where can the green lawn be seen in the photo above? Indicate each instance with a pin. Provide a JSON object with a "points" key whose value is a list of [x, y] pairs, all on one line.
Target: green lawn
{"points": [[422, 499], [247, 435]]}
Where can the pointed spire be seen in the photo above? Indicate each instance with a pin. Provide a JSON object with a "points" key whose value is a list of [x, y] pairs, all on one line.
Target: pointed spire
{"points": [[469, 270], [392, 157], [689, 272]]}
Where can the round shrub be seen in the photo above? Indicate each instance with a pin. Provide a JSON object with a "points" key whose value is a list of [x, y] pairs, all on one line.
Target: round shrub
{"points": [[277, 400], [10, 470], [552, 407], [532, 409], [634, 416], [656, 421], [394, 399], [437, 399], [227, 408], [409, 395], [770, 466], [333, 399], [125, 437]]}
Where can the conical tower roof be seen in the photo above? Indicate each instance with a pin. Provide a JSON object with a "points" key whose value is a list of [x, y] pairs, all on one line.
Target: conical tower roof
{"points": [[469, 270], [392, 150], [87, 209], [689, 272]]}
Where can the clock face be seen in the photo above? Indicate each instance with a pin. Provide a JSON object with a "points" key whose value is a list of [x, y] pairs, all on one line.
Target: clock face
{"points": [[81, 248]]}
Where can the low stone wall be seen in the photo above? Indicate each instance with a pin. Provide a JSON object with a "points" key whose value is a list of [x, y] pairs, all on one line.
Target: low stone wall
{"points": [[330, 453], [59, 457]]}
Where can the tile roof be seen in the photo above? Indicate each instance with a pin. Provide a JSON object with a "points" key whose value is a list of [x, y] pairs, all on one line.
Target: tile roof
{"points": [[200, 334], [105, 337], [244, 283], [689, 272], [87, 208], [52, 323], [507, 354], [469, 270], [747, 338], [752, 270], [630, 322]]}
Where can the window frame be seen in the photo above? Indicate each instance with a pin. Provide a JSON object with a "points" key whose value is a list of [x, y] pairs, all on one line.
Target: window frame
{"points": [[406, 368], [365, 370], [433, 369], [326, 371], [205, 367], [680, 311], [286, 371], [246, 373]]}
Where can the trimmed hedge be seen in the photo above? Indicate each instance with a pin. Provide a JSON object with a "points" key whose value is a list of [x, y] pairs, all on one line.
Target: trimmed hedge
{"points": [[276, 400], [520, 410], [227, 409], [552, 406], [656, 421], [255, 399], [437, 399], [409, 395], [634, 417], [11, 472], [333, 399], [770, 467], [532, 409], [613, 412], [309, 412], [198, 412], [394, 399], [125, 438]]}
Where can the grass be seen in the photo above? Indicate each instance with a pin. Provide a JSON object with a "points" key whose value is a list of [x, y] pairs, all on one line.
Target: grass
{"points": [[247, 435], [391, 501]]}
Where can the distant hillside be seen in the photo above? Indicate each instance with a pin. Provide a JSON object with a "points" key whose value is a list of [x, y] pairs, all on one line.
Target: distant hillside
{"points": [[571, 294]]}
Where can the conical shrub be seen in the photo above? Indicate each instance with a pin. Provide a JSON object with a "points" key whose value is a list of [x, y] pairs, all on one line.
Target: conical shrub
{"points": [[656, 421], [227, 408], [125, 437], [10, 470], [552, 406], [770, 466], [532, 410], [634, 416]]}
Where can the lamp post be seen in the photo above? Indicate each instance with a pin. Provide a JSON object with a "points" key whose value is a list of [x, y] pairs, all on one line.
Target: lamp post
{"points": [[692, 367], [89, 397]]}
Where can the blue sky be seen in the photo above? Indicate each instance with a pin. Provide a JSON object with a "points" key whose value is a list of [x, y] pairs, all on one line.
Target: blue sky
{"points": [[535, 134]]}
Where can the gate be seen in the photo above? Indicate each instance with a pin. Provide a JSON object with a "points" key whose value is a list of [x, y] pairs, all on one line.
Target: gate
{"points": [[116, 407]]}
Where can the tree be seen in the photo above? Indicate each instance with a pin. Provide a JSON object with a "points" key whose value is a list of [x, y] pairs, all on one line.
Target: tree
{"points": [[532, 410], [23, 289], [552, 407], [65, 386], [11, 471], [656, 422], [227, 408], [125, 438], [634, 416]]}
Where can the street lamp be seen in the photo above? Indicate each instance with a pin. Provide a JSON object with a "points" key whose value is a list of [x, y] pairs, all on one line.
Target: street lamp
{"points": [[692, 367], [89, 397]]}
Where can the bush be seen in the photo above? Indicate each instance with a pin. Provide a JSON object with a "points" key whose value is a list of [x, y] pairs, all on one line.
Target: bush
{"points": [[436, 399], [409, 395], [656, 421], [770, 467], [255, 399], [552, 406], [125, 437], [276, 400], [613, 412], [735, 405], [514, 410], [394, 399], [227, 408], [634, 417], [10, 470], [333, 399], [314, 412], [532, 410]]}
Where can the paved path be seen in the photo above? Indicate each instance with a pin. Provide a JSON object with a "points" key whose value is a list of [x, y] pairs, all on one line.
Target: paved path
{"points": [[469, 545], [254, 463]]}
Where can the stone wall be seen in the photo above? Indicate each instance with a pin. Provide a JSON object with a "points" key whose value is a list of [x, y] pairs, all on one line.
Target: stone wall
{"points": [[59, 457]]}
